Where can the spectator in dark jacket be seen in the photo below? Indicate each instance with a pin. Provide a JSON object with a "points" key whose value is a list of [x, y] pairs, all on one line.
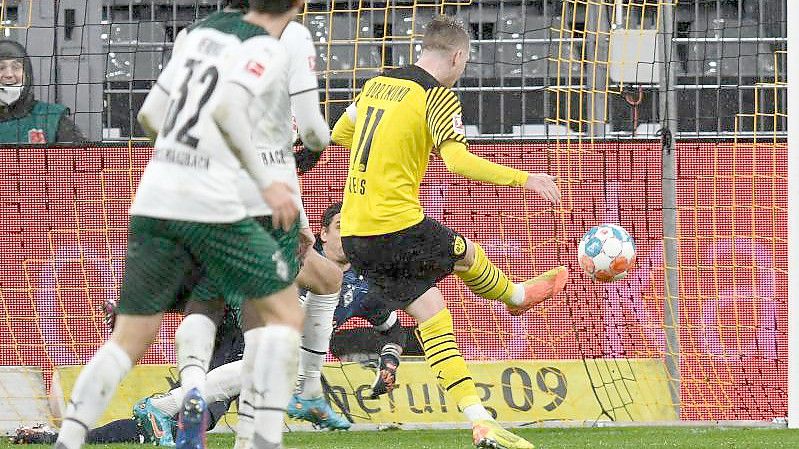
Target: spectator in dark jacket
{"points": [[23, 119]]}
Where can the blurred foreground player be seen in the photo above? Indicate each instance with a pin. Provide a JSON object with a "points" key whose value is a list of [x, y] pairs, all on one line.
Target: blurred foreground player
{"points": [[187, 211], [391, 128]]}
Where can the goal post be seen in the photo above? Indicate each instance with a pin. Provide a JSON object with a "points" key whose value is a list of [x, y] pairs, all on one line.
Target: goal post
{"points": [[793, 219]]}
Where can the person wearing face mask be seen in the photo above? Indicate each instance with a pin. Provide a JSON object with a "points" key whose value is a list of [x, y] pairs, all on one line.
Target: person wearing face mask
{"points": [[23, 119]]}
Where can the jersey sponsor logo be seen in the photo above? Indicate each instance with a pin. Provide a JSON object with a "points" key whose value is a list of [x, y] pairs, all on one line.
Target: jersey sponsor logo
{"points": [[510, 390], [459, 246], [457, 124], [386, 92], [37, 136], [255, 68], [190, 159]]}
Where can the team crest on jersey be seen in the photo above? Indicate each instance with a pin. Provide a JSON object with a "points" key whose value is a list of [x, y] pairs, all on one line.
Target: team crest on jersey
{"points": [[256, 68], [459, 246], [36, 136], [457, 124]]}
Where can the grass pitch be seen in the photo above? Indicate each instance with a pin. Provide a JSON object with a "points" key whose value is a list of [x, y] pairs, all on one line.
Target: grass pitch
{"points": [[617, 438]]}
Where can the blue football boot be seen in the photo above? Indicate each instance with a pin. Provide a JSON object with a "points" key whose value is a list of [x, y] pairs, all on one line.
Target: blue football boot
{"points": [[192, 422], [318, 412], [155, 426]]}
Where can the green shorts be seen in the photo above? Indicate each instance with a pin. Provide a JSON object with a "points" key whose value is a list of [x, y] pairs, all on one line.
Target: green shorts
{"points": [[169, 260]]}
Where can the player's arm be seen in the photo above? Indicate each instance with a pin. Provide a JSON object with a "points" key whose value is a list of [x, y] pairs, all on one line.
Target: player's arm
{"points": [[152, 113], [304, 94], [248, 79], [460, 160], [304, 88], [345, 126], [236, 126], [444, 121]]}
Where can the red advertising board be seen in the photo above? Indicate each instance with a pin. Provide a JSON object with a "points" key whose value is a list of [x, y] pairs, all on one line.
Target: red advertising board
{"points": [[63, 234]]}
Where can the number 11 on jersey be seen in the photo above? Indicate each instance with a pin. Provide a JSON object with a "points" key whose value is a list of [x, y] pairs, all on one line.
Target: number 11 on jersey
{"points": [[356, 184], [373, 116]]}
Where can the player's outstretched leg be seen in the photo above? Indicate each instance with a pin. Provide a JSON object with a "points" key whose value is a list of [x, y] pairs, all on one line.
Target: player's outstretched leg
{"points": [[156, 426], [445, 360], [386, 379], [486, 280], [322, 278]]}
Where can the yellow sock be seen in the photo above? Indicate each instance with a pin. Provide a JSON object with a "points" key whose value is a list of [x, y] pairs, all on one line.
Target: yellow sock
{"points": [[486, 280], [445, 359]]}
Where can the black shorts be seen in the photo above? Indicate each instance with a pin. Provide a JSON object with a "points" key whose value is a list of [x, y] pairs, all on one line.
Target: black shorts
{"points": [[402, 265]]}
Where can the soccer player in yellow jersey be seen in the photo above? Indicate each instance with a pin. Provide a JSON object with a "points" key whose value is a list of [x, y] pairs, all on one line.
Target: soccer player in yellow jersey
{"points": [[396, 121]]}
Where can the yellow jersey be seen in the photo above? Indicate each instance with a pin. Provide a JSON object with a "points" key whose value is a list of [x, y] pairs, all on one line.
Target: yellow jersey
{"points": [[402, 116]]}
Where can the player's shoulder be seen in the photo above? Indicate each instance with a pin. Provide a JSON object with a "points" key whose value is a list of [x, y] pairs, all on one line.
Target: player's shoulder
{"points": [[231, 23], [213, 19], [416, 74], [295, 32]]}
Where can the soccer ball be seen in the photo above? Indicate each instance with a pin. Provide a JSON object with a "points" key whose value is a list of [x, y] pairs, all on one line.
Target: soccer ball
{"points": [[606, 253]]}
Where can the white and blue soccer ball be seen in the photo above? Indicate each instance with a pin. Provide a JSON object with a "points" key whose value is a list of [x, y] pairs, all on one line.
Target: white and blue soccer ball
{"points": [[606, 253]]}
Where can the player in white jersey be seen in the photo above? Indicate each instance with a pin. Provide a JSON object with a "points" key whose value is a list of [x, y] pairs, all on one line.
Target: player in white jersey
{"points": [[188, 213], [318, 275]]}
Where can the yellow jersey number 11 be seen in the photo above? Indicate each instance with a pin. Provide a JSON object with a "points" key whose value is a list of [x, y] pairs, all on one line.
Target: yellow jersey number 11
{"points": [[357, 184]]}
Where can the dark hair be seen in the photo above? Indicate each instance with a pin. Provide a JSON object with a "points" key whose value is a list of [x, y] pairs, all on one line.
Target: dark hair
{"points": [[445, 33], [329, 213], [271, 6]]}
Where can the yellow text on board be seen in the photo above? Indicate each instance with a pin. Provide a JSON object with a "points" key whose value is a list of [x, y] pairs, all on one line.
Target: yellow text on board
{"points": [[512, 390]]}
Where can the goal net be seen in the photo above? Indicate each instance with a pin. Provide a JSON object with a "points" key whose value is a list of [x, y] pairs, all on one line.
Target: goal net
{"points": [[581, 89]]}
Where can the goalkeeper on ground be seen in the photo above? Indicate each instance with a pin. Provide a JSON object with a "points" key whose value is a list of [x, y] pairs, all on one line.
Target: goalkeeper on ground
{"points": [[391, 129]]}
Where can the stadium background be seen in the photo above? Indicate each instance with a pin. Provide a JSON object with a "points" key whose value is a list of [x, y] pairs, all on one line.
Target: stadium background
{"points": [[540, 95]]}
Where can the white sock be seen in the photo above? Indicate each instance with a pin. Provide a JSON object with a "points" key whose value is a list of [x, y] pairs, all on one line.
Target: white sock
{"points": [[224, 382], [318, 327], [274, 374], [244, 429], [477, 412], [386, 325], [96, 385], [221, 384], [168, 403], [391, 349], [518, 294], [194, 343]]}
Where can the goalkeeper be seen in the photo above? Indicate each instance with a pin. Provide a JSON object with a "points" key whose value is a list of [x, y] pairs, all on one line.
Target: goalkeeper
{"points": [[391, 128], [351, 304]]}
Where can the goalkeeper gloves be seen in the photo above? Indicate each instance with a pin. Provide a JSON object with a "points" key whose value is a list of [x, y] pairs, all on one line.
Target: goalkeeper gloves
{"points": [[306, 159]]}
